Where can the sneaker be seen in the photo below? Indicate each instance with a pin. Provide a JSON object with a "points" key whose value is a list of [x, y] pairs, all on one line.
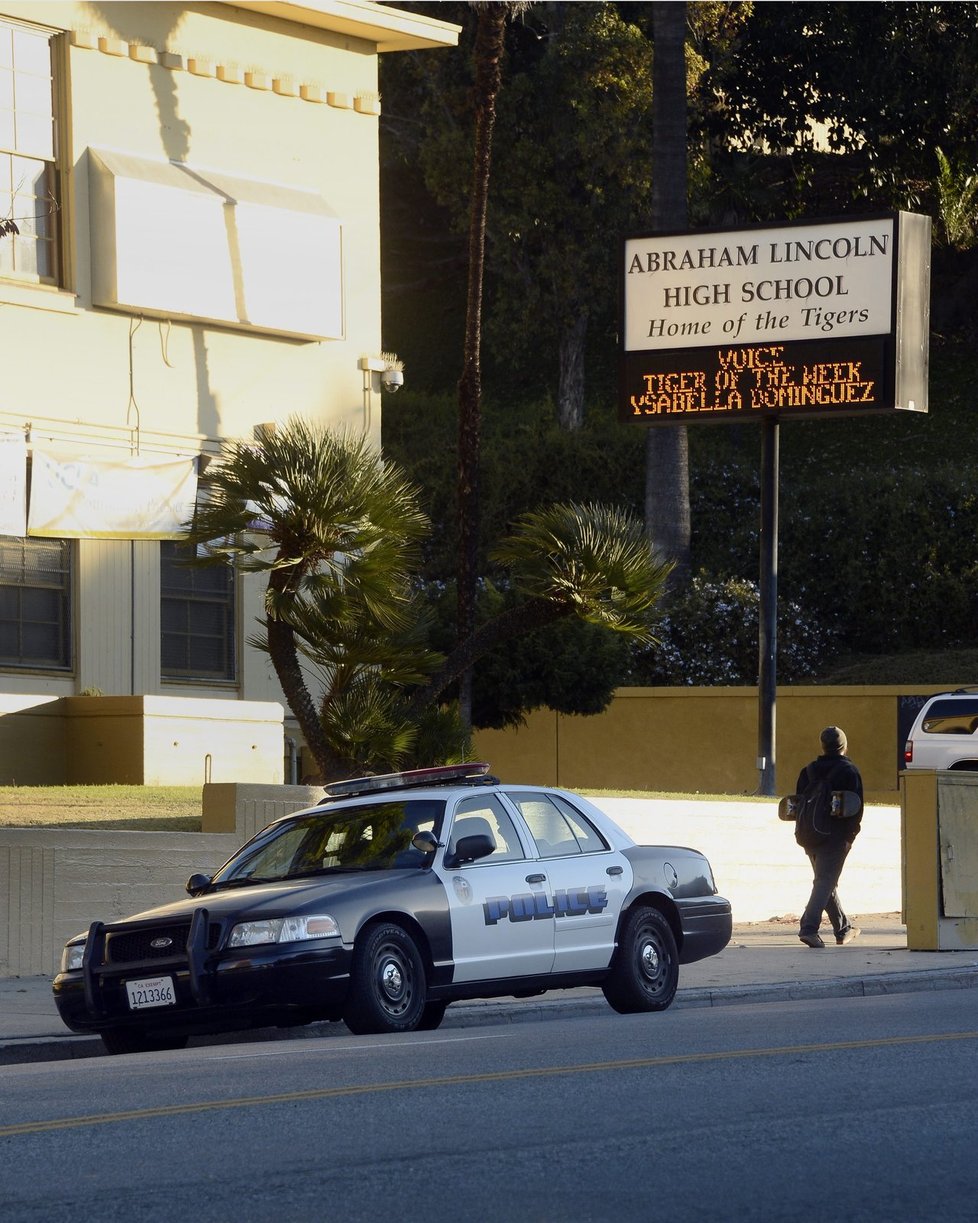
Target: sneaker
{"points": [[811, 940], [848, 935]]}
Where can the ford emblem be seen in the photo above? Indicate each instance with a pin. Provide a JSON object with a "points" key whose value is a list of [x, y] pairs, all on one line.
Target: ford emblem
{"points": [[159, 943]]}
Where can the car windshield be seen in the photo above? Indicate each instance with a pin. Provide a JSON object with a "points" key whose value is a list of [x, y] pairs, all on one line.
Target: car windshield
{"points": [[369, 837]]}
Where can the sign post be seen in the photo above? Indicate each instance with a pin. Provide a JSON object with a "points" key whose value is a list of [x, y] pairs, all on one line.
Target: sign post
{"points": [[767, 648], [812, 320]]}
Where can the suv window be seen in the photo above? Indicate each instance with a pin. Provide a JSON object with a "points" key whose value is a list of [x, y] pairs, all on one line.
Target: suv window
{"points": [[951, 717]]}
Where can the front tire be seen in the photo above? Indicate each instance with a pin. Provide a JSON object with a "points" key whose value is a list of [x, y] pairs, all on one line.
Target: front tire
{"points": [[387, 985], [432, 1015], [645, 971]]}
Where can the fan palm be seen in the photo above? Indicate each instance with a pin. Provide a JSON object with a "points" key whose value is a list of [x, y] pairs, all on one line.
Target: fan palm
{"points": [[590, 561], [336, 530]]}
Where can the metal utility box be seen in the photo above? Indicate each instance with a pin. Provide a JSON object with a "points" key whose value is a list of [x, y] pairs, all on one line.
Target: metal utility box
{"points": [[939, 824]]}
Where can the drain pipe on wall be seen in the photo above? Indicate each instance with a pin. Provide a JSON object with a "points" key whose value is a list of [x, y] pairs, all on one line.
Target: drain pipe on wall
{"points": [[292, 778]]}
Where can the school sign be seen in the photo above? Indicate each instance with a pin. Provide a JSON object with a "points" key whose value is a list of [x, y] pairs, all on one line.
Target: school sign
{"points": [[803, 321]]}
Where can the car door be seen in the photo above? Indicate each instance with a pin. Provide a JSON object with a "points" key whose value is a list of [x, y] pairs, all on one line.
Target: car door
{"points": [[586, 880], [497, 931]]}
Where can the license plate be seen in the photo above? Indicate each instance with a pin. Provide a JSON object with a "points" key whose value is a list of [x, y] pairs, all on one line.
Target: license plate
{"points": [[150, 991]]}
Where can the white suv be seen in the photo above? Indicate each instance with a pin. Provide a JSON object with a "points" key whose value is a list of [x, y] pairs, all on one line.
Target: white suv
{"points": [[945, 733]]}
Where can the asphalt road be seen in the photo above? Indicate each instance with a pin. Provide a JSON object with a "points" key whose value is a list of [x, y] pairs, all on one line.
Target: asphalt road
{"points": [[854, 1108]]}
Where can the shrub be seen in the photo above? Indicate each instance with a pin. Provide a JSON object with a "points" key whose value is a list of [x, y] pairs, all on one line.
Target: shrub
{"points": [[709, 636]]}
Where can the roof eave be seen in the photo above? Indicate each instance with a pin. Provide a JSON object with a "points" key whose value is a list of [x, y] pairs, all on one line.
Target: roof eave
{"points": [[392, 29]]}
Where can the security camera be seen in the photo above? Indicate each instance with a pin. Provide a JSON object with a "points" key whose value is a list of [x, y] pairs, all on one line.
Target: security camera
{"points": [[392, 379]]}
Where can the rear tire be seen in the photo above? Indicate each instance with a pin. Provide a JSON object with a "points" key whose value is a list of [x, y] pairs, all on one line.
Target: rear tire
{"points": [[645, 971], [387, 983]]}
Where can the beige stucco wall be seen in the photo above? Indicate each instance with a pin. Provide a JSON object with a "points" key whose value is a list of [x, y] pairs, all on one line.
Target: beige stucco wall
{"points": [[194, 381], [32, 741], [674, 740], [140, 740], [699, 740], [104, 381]]}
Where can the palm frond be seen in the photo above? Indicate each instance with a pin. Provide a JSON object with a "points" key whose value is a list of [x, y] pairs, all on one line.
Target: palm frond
{"points": [[594, 559]]}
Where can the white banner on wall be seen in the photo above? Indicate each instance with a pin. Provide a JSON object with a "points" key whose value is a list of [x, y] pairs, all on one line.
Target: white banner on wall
{"points": [[96, 497], [13, 484]]}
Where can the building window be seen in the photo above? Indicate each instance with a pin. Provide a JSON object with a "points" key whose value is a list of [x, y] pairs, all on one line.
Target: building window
{"points": [[197, 616], [28, 174], [35, 603]]}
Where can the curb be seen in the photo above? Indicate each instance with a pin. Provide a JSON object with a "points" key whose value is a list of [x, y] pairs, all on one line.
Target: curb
{"points": [[29, 1049]]}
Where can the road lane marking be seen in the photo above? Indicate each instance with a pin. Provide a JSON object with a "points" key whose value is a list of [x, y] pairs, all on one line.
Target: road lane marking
{"points": [[461, 1080], [303, 1047]]}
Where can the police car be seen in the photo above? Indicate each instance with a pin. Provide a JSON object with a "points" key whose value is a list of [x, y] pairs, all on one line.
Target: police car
{"points": [[392, 898]]}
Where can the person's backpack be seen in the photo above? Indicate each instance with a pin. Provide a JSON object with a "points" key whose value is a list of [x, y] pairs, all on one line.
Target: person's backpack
{"points": [[813, 821]]}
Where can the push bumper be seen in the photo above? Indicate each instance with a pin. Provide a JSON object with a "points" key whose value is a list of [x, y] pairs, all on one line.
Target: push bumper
{"points": [[255, 987]]}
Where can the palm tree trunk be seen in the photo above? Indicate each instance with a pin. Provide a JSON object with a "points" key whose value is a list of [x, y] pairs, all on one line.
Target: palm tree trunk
{"points": [[490, 28], [570, 387], [666, 448], [285, 659]]}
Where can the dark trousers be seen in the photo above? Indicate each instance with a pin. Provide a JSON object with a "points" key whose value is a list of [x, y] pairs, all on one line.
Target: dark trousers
{"points": [[827, 863]]}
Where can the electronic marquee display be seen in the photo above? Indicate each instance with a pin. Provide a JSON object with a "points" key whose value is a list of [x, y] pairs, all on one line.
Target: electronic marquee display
{"points": [[801, 321]]}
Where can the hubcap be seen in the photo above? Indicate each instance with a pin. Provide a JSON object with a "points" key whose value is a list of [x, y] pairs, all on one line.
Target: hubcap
{"points": [[392, 980], [650, 960]]}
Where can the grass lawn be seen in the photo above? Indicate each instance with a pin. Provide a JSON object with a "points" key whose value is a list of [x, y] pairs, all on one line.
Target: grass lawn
{"points": [[140, 808], [178, 808]]}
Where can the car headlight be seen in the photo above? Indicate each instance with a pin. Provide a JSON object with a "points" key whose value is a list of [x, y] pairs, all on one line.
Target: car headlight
{"points": [[283, 930], [72, 956]]}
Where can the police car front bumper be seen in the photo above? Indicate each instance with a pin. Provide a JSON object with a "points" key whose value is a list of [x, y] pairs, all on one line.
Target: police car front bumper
{"points": [[255, 987]]}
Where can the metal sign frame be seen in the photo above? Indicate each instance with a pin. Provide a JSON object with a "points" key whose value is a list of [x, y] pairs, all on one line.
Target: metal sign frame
{"points": [[869, 354]]}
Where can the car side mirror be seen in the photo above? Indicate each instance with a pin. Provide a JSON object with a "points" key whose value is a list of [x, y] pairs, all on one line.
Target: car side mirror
{"points": [[788, 807], [425, 841], [470, 849], [197, 883]]}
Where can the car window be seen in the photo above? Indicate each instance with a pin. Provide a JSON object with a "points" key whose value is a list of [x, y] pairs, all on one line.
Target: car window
{"points": [[373, 836], [951, 718], [558, 828], [485, 814]]}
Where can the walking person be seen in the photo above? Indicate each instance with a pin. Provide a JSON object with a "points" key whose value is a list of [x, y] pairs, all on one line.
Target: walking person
{"points": [[827, 839]]}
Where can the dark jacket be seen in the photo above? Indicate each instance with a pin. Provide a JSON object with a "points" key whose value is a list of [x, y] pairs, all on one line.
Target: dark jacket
{"points": [[841, 774]]}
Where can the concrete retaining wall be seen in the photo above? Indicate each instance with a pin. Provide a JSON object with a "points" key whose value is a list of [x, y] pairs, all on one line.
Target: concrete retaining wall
{"points": [[55, 882], [755, 860], [139, 740]]}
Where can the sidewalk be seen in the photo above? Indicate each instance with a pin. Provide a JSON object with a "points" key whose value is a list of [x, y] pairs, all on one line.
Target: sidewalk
{"points": [[764, 962]]}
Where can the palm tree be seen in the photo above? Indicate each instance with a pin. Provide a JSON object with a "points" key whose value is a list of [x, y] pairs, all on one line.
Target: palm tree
{"points": [[667, 447], [491, 18], [336, 530], [590, 561]]}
